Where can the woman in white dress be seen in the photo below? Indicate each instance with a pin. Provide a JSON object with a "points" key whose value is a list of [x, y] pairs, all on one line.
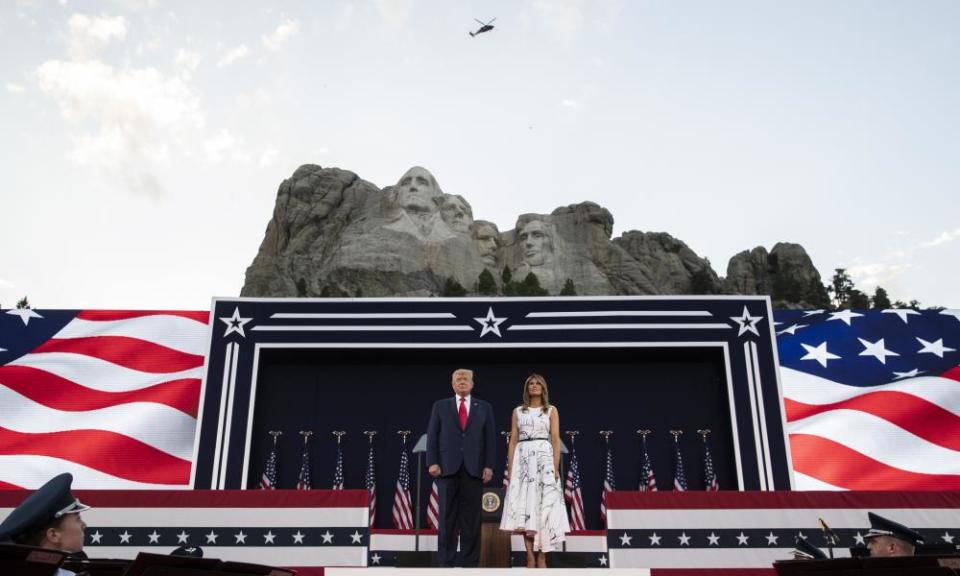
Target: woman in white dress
{"points": [[533, 505]]}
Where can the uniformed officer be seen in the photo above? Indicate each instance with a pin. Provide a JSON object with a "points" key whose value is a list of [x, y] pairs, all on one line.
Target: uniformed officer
{"points": [[889, 538], [48, 518]]}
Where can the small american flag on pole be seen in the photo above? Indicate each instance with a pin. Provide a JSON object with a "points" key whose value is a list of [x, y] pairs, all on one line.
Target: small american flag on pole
{"points": [[371, 481], [679, 476], [402, 508], [609, 484], [268, 480], [572, 493], [338, 472], [710, 482], [303, 479], [433, 507], [648, 482]]}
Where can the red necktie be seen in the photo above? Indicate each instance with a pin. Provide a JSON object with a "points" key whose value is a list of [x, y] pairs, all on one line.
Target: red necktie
{"points": [[463, 413]]}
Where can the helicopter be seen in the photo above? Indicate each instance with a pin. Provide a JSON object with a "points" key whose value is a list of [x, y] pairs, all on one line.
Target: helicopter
{"points": [[484, 27]]}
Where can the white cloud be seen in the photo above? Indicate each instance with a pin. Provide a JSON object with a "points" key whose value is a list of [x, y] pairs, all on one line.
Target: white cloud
{"points": [[943, 238], [269, 157], [14, 87], [276, 39], [215, 148], [127, 120], [233, 55], [88, 34], [869, 276], [187, 59], [565, 17]]}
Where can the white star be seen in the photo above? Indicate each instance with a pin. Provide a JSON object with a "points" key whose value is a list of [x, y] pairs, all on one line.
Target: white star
{"points": [[298, 537], [603, 560], [747, 322], [182, 537], [654, 539], [903, 313], [327, 537], [235, 323], [934, 347], [268, 537], [125, 537], [684, 539], [241, 537], [714, 539], [742, 539], [908, 374], [375, 558], [858, 537], [772, 538], [212, 537], [812, 313], [819, 354], [490, 323], [25, 314], [876, 349], [154, 538], [355, 537], [846, 315], [947, 537], [792, 329], [625, 539], [954, 313], [95, 537]]}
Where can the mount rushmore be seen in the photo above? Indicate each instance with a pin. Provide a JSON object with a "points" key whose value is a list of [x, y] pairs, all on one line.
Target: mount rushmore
{"points": [[334, 234]]}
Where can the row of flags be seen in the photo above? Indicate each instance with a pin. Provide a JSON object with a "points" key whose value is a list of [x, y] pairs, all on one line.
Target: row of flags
{"points": [[402, 512]]}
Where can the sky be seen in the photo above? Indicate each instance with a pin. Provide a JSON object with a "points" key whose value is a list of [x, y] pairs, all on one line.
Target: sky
{"points": [[143, 141]]}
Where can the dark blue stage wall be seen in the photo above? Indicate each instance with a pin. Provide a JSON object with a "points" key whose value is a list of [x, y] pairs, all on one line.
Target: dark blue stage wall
{"points": [[612, 363], [619, 389]]}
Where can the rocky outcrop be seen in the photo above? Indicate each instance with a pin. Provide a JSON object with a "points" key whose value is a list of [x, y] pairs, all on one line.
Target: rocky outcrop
{"points": [[334, 234], [786, 273]]}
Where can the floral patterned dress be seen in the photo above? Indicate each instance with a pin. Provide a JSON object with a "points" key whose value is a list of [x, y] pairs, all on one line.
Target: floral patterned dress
{"points": [[534, 504]]}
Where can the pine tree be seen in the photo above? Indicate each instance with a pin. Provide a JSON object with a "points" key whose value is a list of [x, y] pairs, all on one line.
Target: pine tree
{"points": [[531, 287], [486, 285], [452, 288], [880, 299], [840, 287], [816, 295], [23, 303], [506, 276], [857, 299], [568, 288]]}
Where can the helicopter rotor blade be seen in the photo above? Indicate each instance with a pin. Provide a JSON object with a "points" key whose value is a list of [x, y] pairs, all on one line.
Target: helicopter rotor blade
{"points": [[479, 22], [491, 22]]}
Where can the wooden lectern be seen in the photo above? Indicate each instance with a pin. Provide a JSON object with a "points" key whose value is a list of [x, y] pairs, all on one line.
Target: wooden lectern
{"points": [[494, 543]]}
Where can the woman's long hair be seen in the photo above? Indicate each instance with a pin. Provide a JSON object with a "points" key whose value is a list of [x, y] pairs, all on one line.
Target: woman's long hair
{"points": [[544, 398]]}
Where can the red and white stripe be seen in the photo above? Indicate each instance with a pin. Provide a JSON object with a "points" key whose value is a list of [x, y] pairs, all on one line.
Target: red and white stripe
{"points": [[607, 489], [112, 398], [903, 436], [577, 521], [402, 510], [433, 507]]}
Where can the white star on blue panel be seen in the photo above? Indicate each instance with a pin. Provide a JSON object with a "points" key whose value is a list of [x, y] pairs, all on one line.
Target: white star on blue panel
{"points": [[490, 323], [235, 323]]}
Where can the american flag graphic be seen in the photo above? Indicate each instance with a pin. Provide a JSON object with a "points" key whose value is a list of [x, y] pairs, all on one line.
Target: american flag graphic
{"points": [[872, 398], [572, 493], [648, 482], [402, 507], [679, 475], [268, 480], [710, 482], [338, 472], [109, 396], [303, 479], [433, 507], [371, 484], [609, 485]]}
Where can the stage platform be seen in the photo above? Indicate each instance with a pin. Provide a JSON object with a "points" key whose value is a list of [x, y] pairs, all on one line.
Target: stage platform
{"points": [[477, 571]]}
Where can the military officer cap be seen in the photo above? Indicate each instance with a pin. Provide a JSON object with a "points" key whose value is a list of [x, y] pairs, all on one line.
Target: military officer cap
{"points": [[50, 502], [190, 551], [804, 550], [880, 526]]}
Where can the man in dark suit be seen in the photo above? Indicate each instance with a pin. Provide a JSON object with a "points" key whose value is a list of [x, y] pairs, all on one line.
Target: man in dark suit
{"points": [[461, 447]]}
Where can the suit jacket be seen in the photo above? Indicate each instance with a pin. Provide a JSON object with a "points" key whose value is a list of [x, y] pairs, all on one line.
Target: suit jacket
{"points": [[474, 448]]}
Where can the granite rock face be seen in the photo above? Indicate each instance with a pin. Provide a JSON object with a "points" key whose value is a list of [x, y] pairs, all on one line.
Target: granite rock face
{"points": [[334, 234], [786, 273]]}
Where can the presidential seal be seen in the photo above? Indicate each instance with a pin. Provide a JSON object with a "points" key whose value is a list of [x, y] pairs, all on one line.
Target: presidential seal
{"points": [[490, 502]]}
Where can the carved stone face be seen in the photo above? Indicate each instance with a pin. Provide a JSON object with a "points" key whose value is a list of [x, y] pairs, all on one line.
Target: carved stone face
{"points": [[536, 244], [456, 214], [485, 236], [416, 191]]}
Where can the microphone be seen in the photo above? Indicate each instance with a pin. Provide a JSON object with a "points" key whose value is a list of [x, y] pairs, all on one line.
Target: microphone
{"points": [[829, 535]]}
